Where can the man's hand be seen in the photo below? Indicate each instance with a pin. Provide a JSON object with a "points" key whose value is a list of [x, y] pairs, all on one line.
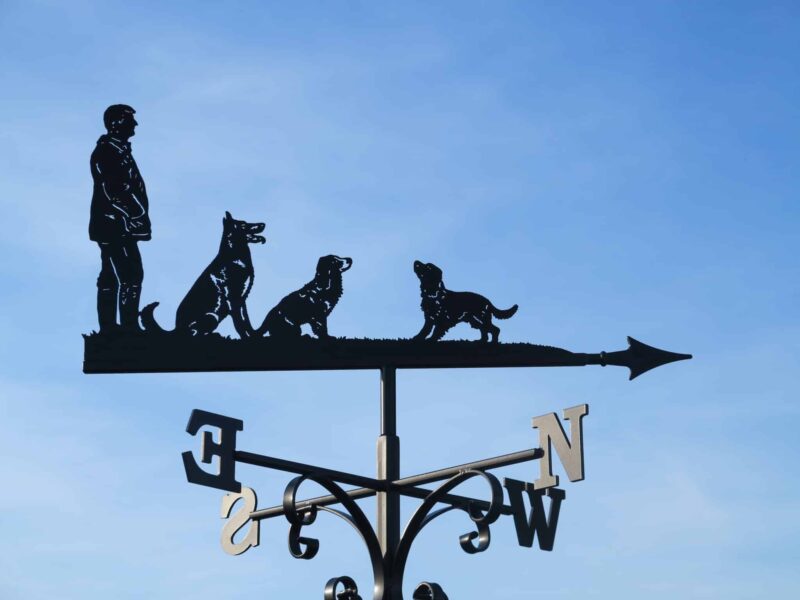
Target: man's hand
{"points": [[134, 225]]}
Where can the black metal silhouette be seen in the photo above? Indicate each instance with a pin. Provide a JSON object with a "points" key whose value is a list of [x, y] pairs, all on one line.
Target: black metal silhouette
{"points": [[307, 548], [443, 308], [349, 591], [387, 548], [278, 344], [118, 221], [424, 515], [429, 591], [221, 289], [389, 568], [161, 354], [639, 357], [310, 304]]}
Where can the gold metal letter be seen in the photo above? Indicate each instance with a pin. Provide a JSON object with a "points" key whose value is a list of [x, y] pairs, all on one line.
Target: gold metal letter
{"points": [[570, 451], [239, 520]]}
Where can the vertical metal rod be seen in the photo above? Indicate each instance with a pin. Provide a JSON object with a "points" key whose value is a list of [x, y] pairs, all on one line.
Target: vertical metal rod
{"points": [[388, 401], [388, 514]]}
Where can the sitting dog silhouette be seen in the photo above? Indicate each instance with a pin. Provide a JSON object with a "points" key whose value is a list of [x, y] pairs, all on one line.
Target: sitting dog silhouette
{"points": [[443, 308], [221, 289], [310, 304]]}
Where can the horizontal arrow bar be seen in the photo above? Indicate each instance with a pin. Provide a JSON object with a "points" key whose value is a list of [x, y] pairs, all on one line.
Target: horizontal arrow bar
{"points": [[123, 353]]}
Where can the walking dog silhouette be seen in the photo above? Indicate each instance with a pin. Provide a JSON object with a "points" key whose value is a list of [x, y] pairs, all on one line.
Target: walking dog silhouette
{"points": [[444, 308], [221, 289], [310, 304]]}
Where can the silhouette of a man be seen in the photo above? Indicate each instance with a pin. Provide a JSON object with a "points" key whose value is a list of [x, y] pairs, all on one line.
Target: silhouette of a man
{"points": [[118, 221]]}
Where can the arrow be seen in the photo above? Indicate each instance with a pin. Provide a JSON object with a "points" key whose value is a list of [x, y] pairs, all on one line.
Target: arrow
{"points": [[639, 357], [159, 354]]}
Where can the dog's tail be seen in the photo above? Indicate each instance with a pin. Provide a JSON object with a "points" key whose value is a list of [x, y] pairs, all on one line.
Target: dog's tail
{"points": [[149, 319], [504, 314]]}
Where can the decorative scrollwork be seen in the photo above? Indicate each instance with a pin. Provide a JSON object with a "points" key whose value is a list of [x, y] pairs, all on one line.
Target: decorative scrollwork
{"points": [[350, 591], [483, 534], [299, 546], [423, 516], [307, 548], [429, 591]]}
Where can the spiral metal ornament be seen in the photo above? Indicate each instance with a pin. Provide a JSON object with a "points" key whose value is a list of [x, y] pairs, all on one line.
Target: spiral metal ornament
{"points": [[349, 591], [307, 548], [483, 535], [423, 516], [429, 591]]}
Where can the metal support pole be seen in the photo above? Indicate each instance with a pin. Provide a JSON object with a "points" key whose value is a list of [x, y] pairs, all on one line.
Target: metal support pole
{"points": [[388, 514]]}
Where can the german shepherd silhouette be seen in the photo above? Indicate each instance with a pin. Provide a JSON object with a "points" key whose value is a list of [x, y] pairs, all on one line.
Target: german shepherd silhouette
{"points": [[221, 289], [310, 304], [444, 308]]}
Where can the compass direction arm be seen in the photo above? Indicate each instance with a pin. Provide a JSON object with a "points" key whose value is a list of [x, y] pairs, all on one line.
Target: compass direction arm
{"points": [[479, 465], [280, 464], [406, 486], [453, 500]]}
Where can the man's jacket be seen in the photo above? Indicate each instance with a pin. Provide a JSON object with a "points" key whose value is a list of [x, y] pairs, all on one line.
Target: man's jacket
{"points": [[119, 200]]}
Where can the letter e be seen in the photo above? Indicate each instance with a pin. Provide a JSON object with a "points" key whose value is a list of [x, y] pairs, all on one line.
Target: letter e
{"points": [[225, 479]]}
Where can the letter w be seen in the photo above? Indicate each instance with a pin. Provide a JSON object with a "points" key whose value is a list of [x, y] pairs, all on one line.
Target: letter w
{"points": [[537, 524]]}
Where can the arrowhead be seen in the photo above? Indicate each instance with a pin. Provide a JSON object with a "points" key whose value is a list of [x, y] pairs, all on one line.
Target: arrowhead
{"points": [[640, 357]]}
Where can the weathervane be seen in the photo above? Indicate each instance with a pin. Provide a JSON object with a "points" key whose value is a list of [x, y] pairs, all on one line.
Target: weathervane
{"points": [[136, 343]]}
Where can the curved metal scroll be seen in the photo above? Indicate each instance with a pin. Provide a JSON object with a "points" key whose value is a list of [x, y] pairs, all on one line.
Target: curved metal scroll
{"points": [[429, 591], [350, 591], [423, 516], [307, 548]]}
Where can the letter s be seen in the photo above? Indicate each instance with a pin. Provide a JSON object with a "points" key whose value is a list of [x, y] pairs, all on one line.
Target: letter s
{"points": [[239, 520]]}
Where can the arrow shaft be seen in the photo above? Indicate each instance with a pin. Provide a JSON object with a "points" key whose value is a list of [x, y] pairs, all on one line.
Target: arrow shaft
{"points": [[175, 354]]}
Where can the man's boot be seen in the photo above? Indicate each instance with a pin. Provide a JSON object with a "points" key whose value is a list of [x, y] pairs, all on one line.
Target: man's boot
{"points": [[107, 309], [129, 308]]}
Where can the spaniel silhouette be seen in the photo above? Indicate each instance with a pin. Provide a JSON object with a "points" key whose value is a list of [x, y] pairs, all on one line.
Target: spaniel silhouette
{"points": [[310, 304], [444, 308]]}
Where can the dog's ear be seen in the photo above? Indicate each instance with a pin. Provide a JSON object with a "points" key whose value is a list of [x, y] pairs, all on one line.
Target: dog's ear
{"points": [[228, 216], [433, 272]]}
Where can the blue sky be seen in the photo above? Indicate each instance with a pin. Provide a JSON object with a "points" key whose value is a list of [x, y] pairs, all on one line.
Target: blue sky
{"points": [[615, 168]]}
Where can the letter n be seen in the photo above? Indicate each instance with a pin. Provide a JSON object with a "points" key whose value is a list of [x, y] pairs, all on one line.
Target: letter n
{"points": [[570, 451], [537, 524]]}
